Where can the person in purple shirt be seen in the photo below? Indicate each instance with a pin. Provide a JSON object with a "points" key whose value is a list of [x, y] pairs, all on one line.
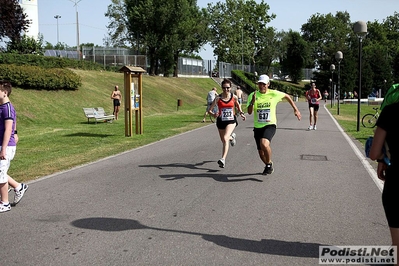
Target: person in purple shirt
{"points": [[9, 139]]}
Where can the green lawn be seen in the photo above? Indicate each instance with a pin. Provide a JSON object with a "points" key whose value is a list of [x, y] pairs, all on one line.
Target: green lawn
{"points": [[54, 134], [347, 118]]}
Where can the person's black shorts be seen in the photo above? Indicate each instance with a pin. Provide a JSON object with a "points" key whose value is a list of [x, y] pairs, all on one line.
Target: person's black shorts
{"points": [[390, 196], [266, 132], [117, 102], [315, 106], [223, 124]]}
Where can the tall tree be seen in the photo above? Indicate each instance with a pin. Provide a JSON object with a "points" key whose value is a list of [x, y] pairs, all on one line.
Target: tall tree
{"points": [[269, 50], [13, 21], [162, 28], [296, 57], [188, 35], [378, 54], [326, 35], [117, 30], [239, 30], [392, 27], [26, 45]]}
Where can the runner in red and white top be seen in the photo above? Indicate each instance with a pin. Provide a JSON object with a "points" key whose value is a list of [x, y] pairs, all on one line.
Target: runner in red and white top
{"points": [[313, 96], [226, 120]]}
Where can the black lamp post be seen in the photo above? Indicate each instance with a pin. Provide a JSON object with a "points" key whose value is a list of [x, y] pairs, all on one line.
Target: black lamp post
{"points": [[332, 68], [360, 28], [339, 56]]}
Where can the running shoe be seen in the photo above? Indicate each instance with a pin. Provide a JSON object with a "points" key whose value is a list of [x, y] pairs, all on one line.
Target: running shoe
{"points": [[19, 194], [268, 169], [5, 208], [314, 128], [310, 127], [221, 163], [233, 140]]}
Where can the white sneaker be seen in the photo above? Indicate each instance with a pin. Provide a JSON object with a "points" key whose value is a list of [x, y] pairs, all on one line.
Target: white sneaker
{"points": [[314, 128], [5, 208], [221, 163], [233, 140], [310, 127], [19, 194]]}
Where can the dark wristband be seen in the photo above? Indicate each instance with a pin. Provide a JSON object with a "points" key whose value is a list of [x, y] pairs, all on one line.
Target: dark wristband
{"points": [[15, 132], [380, 161]]}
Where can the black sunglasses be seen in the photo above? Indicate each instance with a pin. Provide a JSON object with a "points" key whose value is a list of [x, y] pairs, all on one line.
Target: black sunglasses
{"points": [[226, 88]]}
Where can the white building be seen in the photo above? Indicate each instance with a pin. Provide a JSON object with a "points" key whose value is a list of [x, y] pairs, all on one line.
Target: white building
{"points": [[31, 10]]}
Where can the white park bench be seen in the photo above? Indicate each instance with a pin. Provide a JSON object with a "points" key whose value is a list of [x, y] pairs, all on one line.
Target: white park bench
{"points": [[98, 114]]}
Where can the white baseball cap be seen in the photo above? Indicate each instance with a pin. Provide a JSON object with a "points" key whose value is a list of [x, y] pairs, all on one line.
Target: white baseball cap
{"points": [[264, 79]]}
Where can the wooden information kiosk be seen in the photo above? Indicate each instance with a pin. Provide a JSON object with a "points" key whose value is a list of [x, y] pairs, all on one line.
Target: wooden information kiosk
{"points": [[133, 81]]}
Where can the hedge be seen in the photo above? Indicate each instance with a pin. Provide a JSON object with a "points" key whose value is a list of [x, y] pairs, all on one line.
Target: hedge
{"points": [[47, 61], [34, 77]]}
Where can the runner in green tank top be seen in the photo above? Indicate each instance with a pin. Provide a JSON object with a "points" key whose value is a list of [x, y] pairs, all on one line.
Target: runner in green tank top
{"points": [[263, 104]]}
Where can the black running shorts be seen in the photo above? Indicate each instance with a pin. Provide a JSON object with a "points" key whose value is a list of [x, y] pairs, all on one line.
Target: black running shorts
{"points": [[390, 196], [266, 132]]}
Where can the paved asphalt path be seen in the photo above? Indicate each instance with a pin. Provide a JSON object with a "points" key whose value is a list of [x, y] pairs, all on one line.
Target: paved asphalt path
{"points": [[169, 203]]}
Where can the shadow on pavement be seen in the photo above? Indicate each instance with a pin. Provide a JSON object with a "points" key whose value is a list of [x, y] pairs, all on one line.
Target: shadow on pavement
{"points": [[215, 176], [267, 246], [180, 165], [212, 173], [292, 128]]}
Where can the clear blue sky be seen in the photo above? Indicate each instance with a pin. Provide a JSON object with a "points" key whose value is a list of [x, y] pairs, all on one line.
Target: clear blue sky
{"points": [[290, 14]]}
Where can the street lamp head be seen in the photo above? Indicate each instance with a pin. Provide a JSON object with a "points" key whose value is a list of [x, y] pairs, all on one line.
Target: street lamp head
{"points": [[360, 28], [332, 67], [57, 16], [339, 56]]}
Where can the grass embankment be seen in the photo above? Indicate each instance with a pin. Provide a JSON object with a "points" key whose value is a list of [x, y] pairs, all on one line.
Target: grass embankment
{"points": [[53, 130], [347, 119]]}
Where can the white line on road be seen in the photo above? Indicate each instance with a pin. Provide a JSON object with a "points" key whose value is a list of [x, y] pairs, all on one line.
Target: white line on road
{"points": [[362, 158]]}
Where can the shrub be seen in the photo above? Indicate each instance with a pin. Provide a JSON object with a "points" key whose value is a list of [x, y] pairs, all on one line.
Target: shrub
{"points": [[47, 61], [34, 77]]}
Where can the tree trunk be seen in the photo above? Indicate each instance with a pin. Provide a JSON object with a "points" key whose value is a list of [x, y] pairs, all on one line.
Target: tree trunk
{"points": [[176, 65]]}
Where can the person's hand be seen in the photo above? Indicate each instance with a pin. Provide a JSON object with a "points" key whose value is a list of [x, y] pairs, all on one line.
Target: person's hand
{"points": [[2, 154], [381, 171], [298, 114], [243, 116]]}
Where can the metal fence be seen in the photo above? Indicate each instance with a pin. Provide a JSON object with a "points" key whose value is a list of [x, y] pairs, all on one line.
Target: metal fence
{"points": [[110, 56], [62, 53]]}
